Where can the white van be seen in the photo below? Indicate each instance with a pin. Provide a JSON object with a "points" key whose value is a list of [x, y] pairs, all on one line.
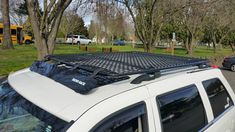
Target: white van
{"points": [[77, 39]]}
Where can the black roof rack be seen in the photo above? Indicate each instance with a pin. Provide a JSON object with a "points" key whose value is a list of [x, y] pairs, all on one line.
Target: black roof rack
{"points": [[119, 64]]}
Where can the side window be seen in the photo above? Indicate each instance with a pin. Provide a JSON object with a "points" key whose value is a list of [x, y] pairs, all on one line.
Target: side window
{"points": [[182, 110], [13, 31], [1, 31], [218, 96], [132, 119], [83, 37]]}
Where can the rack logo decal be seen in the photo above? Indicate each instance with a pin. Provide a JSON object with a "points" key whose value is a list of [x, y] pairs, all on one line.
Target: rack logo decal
{"points": [[78, 81]]}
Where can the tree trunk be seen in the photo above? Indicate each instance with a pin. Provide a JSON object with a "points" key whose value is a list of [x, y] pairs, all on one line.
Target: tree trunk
{"points": [[232, 47], [42, 49], [221, 40], [192, 44], [187, 45], [7, 42], [214, 43], [45, 26], [149, 47]]}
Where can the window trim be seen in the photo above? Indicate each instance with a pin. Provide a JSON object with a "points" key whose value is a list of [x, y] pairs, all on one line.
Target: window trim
{"points": [[225, 90], [215, 119], [180, 88], [120, 112]]}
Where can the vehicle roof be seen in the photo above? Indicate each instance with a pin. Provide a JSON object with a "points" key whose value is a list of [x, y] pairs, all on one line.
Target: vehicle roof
{"points": [[75, 35], [13, 26], [63, 102]]}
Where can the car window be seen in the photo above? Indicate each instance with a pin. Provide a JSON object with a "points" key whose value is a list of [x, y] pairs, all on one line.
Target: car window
{"points": [[182, 110], [131, 119], [83, 37], [1, 31], [69, 36], [218, 96], [72, 36], [13, 31]]}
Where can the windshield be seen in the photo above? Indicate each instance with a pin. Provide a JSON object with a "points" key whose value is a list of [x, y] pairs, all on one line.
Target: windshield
{"points": [[19, 115]]}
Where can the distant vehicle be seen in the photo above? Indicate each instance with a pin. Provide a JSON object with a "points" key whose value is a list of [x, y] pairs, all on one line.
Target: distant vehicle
{"points": [[119, 42], [139, 44], [78, 39], [17, 35], [229, 63]]}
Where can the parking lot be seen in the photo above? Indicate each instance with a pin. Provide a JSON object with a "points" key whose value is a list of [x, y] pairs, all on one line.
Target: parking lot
{"points": [[230, 76]]}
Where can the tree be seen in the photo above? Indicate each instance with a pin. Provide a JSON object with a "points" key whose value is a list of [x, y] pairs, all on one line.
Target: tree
{"points": [[45, 24], [27, 28], [22, 8], [80, 28], [7, 42], [192, 17], [109, 22], [72, 23], [219, 23], [17, 11], [92, 29], [148, 17]]}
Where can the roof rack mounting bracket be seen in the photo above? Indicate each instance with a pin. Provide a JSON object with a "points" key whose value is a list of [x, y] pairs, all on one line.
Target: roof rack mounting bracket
{"points": [[146, 77]]}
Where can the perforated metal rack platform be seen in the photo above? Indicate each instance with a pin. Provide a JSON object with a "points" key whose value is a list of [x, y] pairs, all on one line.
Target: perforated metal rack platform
{"points": [[125, 63]]}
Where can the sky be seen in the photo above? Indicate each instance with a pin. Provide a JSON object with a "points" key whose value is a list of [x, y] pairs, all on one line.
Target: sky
{"points": [[87, 19]]}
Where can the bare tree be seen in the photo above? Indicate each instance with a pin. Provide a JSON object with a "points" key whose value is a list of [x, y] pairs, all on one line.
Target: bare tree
{"points": [[7, 42], [147, 17], [45, 23], [16, 16], [68, 23], [192, 16]]}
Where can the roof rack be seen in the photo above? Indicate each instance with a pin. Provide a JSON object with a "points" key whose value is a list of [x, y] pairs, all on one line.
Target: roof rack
{"points": [[121, 64]]}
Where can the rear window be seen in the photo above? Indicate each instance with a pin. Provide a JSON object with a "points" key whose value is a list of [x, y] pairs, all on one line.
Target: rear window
{"points": [[182, 110], [218, 96]]}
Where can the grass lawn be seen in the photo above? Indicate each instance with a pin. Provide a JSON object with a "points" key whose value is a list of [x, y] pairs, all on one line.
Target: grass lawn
{"points": [[24, 55]]}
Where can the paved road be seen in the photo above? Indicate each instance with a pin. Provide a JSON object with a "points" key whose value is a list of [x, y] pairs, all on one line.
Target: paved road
{"points": [[2, 78], [230, 76]]}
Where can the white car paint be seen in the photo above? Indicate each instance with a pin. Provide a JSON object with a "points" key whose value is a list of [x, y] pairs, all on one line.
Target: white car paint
{"points": [[78, 39]]}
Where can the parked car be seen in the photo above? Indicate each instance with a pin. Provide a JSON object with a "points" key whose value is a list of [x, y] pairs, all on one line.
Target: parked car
{"points": [[119, 42], [78, 39], [229, 63], [117, 92]]}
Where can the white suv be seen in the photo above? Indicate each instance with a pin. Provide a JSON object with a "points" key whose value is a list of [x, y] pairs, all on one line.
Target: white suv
{"points": [[117, 92], [78, 39]]}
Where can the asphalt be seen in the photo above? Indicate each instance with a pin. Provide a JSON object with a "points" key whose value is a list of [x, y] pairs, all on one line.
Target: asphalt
{"points": [[2, 78], [230, 76]]}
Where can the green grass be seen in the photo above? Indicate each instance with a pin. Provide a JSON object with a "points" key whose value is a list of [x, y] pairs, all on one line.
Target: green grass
{"points": [[24, 55]]}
